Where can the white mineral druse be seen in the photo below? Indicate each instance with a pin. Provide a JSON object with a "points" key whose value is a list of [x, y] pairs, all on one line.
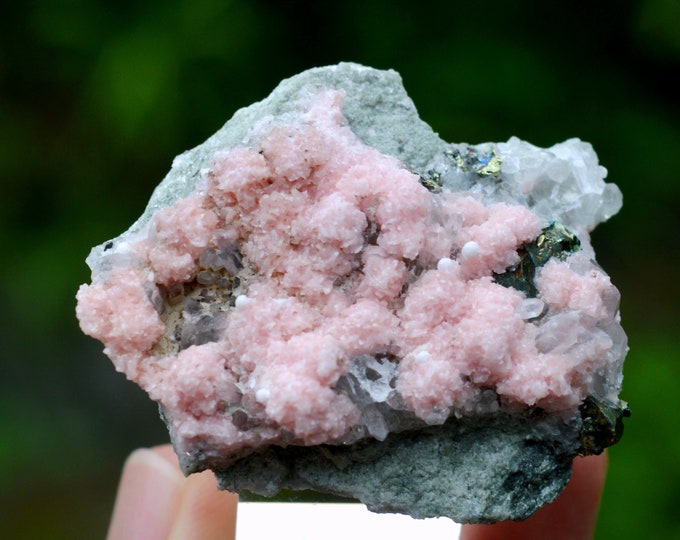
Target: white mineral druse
{"points": [[326, 296]]}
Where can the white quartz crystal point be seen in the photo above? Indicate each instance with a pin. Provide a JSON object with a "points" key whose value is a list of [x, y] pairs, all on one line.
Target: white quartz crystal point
{"points": [[563, 183]]}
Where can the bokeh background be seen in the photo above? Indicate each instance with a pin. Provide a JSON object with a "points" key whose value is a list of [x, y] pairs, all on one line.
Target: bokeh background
{"points": [[96, 97]]}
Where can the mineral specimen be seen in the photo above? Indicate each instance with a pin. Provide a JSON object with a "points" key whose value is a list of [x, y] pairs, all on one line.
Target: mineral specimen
{"points": [[325, 295]]}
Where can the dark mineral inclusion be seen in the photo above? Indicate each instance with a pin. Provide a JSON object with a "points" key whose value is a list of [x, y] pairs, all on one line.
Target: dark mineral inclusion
{"points": [[554, 241]]}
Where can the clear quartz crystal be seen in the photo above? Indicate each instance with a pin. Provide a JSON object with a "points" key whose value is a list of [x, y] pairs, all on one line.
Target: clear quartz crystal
{"points": [[530, 308], [558, 333]]}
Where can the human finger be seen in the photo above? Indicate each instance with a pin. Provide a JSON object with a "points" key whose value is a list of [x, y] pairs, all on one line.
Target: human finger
{"points": [[205, 513], [156, 502], [148, 497]]}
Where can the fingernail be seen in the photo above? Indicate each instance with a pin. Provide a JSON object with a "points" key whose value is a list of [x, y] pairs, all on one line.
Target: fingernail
{"points": [[148, 497]]}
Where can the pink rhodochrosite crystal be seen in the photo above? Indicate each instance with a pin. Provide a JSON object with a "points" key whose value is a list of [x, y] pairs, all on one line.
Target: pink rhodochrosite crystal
{"points": [[310, 289]]}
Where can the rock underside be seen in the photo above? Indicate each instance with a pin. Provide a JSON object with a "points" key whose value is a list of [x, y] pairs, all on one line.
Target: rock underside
{"points": [[325, 295]]}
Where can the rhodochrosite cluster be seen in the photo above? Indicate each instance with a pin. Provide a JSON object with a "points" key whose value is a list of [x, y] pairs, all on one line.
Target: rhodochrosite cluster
{"points": [[309, 289]]}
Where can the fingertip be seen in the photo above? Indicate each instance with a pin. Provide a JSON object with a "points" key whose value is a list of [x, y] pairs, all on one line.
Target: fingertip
{"points": [[156, 502], [592, 469], [148, 496], [205, 512], [167, 452]]}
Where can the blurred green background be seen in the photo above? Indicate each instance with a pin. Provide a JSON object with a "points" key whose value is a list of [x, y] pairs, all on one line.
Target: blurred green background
{"points": [[97, 97]]}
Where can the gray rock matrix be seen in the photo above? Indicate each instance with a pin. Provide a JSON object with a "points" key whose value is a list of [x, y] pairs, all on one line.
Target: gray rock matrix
{"points": [[479, 470], [483, 469]]}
